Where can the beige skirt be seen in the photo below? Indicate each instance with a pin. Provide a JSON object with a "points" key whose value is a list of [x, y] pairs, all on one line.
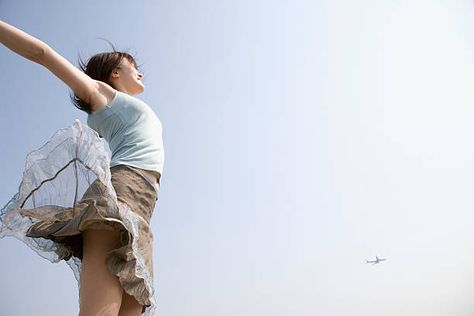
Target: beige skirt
{"points": [[56, 202]]}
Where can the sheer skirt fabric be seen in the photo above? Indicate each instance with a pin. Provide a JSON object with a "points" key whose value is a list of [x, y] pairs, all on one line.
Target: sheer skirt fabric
{"points": [[68, 187]]}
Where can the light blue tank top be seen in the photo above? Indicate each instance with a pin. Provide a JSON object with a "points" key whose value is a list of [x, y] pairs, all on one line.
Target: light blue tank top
{"points": [[132, 130]]}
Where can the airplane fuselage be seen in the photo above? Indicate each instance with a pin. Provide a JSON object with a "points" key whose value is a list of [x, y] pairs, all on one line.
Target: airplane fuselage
{"points": [[377, 260]]}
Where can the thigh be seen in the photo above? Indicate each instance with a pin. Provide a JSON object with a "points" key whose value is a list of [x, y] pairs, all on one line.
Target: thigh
{"points": [[130, 306], [100, 291]]}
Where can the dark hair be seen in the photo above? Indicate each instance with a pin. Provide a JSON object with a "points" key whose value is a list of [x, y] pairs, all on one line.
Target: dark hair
{"points": [[99, 67]]}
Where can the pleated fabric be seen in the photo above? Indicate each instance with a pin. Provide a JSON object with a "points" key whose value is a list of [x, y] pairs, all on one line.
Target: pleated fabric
{"points": [[67, 188]]}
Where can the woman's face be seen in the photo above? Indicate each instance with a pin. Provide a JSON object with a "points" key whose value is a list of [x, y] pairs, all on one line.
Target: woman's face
{"points": [[127, 78]]}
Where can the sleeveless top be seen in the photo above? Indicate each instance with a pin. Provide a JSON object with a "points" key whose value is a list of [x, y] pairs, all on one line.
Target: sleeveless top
{"points": [[132, 130]]}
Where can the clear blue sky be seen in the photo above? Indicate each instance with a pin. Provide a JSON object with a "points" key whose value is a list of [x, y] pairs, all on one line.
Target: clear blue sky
{"points": [[301, 138]]}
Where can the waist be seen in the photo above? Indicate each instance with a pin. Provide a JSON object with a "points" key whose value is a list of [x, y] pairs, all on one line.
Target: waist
{"points": [[152, 177]]}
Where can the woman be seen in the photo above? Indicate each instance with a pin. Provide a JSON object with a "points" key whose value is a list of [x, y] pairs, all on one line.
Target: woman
{"points": [[70, 205]]}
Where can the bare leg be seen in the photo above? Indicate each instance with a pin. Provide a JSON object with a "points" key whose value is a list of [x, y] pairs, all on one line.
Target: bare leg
{"points": [[130, 306], [100, 290]]}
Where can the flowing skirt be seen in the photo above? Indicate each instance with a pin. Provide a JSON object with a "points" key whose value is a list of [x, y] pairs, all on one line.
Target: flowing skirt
{"points": [[68, 187]]}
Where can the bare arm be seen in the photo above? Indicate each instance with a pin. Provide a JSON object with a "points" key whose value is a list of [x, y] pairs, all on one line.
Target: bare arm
{"points": [[94, 92]]}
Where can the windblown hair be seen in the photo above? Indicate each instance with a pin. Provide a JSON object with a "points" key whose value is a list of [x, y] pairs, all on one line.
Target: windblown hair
{"points": [[100, 67]]}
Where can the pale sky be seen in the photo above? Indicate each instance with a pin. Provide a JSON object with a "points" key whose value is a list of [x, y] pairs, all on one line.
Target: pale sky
{"points": [[301, 138]]}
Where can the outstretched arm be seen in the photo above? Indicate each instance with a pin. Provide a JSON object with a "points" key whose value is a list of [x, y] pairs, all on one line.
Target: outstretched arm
{"points": [[94, 92]]}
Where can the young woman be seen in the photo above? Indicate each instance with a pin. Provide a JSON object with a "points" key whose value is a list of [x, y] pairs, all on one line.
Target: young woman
{"points": [[75, 204]]}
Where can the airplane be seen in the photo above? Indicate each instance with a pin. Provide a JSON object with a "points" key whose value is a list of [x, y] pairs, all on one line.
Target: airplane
{"points": [[377, 260]]}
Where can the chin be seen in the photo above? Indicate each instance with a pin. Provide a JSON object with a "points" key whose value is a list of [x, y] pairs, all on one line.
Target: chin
{"points": [[139, 90]]}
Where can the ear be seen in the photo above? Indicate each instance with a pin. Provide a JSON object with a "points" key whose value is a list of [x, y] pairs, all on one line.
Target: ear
{"points": [[115, 74]]}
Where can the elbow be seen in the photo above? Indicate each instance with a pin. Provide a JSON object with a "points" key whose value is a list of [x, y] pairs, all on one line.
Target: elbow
{"points": [[38, 53]]}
